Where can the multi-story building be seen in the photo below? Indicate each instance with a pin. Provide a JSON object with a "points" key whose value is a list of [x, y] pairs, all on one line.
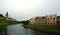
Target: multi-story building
{"points": [[43, 20], [40, 20], [31, 21], [37, 20], [51, 20], [58, 20]]}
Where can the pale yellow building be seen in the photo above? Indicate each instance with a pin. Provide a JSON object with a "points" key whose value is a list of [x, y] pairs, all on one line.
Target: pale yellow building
{"points": [[37, 20], [51, 20], [40, 20]]}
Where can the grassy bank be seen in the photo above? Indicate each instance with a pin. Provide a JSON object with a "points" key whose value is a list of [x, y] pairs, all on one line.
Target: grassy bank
{"points": [[43, 28], [3, 24]]}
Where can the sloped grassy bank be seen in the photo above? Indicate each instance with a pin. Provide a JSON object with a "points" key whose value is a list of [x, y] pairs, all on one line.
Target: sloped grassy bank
{"points": [[3, 24], [53, 29]]}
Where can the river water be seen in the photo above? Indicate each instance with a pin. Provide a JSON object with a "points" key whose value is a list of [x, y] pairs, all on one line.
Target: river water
{"points": [[20, 30]]}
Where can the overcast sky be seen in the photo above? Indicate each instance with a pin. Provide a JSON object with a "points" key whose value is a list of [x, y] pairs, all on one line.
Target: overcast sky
{"points": [[25, 9]]}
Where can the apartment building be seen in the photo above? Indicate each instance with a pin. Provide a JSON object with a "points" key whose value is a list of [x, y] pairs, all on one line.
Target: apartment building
{"points": [[37, 20], [58, 20], [43, 20], [51, 20], [32, 20], [40, 20]]}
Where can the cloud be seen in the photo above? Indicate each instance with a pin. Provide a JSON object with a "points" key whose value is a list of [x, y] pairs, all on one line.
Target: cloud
{"points": [[25, 9]]}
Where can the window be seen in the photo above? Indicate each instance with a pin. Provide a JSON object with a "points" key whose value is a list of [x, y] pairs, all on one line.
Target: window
{"points": [[51, 23], [53, 18], [48, 23], [48, 18], [54, 23]]}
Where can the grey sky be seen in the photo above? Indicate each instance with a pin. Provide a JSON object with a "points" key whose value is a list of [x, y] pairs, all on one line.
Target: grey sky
{"points": [[25, 9]]}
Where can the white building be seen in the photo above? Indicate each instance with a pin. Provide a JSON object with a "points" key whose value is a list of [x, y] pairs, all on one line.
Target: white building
{"points": [[32, 21]]}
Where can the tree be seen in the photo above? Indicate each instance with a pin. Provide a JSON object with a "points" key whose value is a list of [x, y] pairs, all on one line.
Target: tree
{"points": [[1, 15], [25, 22]]}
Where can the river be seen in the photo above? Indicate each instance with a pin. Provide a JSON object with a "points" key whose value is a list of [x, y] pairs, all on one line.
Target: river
{"points": [[18, 29]]}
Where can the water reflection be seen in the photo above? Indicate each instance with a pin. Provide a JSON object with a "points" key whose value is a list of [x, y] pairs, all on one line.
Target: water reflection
{"points": [[20, 30]]}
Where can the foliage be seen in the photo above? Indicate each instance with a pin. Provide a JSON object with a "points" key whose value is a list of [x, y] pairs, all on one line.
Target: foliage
{"points": [[25, 22], [1, 15], [43, 28]]}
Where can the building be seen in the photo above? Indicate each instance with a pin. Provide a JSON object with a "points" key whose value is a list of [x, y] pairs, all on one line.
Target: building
{"points": [[43, 20], [7, 15], [58, 20], [51, 20], [48, 20], [37, 20], [9, 18], [40, 20], [31, 21]]}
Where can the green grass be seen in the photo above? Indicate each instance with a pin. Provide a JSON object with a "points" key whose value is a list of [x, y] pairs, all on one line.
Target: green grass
{"points": [[43, 28], [4, 23]]}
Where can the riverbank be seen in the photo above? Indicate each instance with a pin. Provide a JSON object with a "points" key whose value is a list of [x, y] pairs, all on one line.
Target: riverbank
{"points": [[3, 30], [3, 24], [43, 28]]}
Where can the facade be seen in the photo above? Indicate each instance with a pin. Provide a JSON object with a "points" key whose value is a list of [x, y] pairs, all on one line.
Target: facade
{"points": [[43, 20], [51, 20], [31, 21], [37, 20], [58, 20], [40, 20], [48, 20]]}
